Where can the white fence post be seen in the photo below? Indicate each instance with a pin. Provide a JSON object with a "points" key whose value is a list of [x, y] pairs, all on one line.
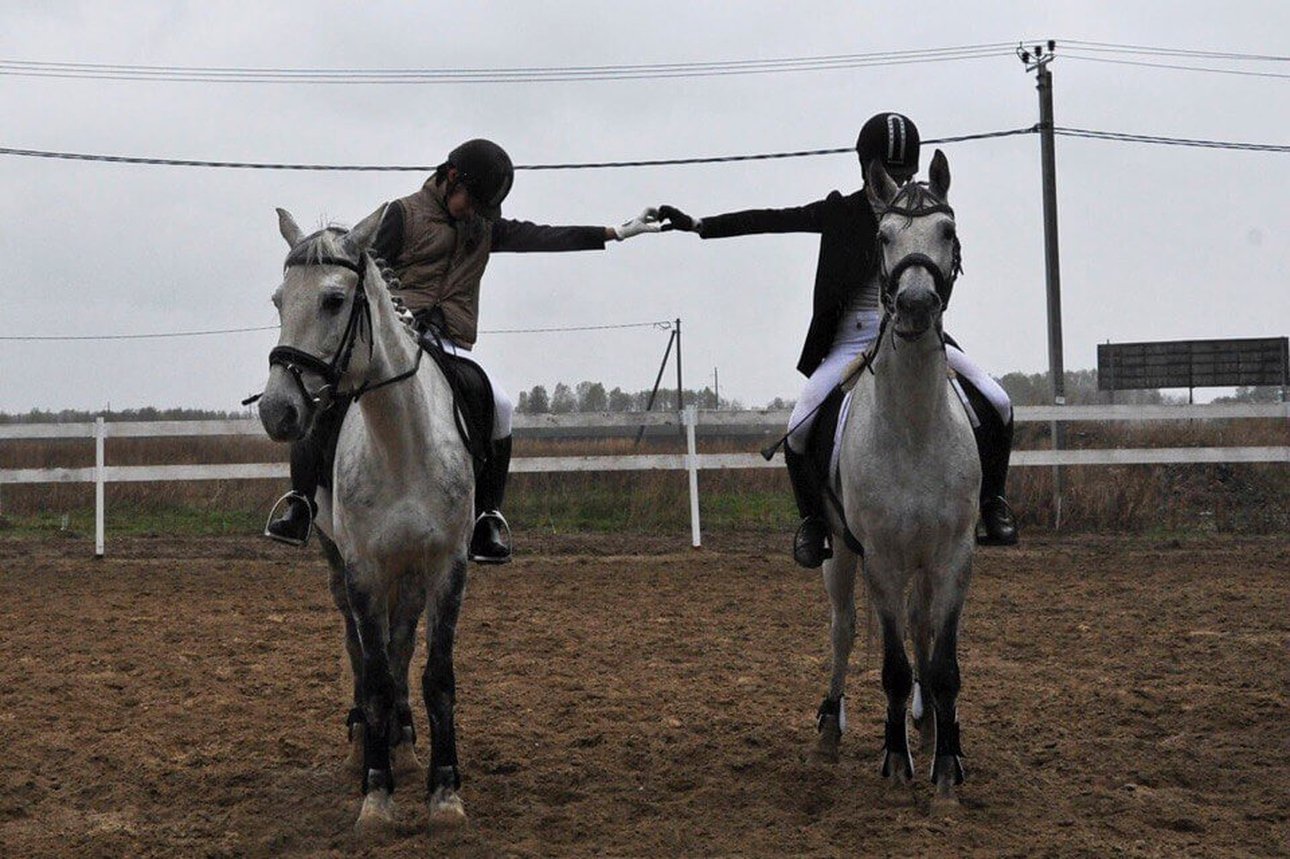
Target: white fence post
{"points": [[690, 418], [100, 476]]}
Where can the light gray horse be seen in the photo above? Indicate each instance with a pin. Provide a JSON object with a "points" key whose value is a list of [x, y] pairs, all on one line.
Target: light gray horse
{"points": [[909, 477], [398, 516]]}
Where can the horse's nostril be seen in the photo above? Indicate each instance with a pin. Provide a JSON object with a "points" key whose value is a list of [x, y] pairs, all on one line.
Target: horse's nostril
{"points": [[289, 417]]}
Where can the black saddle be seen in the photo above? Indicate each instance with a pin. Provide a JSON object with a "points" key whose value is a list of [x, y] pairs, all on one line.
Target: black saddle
{"points": [[472, 395], [472, 399]]}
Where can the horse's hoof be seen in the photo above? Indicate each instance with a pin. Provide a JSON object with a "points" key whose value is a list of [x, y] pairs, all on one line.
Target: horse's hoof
{"points": [[898, 767], [376, 817], [944, 805], [446, 810], [403, 759], [826, 744], [947, 773]]}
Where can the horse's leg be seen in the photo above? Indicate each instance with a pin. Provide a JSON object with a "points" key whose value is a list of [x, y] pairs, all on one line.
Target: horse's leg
{"points": [[368, 603], [831, 719], [886, 590], [942, 682], [439, 685], [354, 719], [920, 630], [404, 615]]}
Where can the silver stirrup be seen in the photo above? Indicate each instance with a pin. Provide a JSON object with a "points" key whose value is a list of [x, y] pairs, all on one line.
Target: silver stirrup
{"points": [[506, 528], [272, 512]]}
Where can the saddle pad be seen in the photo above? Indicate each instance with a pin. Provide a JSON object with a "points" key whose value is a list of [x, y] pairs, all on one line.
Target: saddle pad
{"points": [[833, 473]]}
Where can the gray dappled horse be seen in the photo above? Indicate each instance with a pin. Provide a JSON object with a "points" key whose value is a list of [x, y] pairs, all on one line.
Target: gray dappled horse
{"points": [[908, 481], [396, 522]]}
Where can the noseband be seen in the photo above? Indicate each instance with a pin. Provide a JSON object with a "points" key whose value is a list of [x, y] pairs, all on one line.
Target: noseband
{"points": [[296, 361], [888, 280]]}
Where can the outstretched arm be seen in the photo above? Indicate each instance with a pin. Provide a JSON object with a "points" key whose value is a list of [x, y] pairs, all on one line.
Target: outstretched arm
{"points": [[528, 237], [799, 219]]}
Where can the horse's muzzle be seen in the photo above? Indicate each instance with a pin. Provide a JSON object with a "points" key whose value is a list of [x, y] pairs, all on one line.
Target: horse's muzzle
{"points": [[917, 310], [283, 412]]}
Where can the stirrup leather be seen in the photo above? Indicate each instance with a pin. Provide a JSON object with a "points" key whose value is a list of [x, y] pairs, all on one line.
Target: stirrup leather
{"points": [[273, 515]]}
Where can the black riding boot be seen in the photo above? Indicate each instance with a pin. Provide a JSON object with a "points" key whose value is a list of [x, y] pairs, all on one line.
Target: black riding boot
{"points": [[998, 527], [811, 543], [491, 542], [308, 459], [296, 523]]}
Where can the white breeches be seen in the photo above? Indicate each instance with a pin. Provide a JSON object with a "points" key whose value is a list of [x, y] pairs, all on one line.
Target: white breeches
{"points": [[854, 337], [503, 408]]}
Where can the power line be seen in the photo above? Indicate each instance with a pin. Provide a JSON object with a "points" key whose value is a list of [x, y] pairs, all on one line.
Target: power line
{"points": [[596, 165], [1119, 48], [424, 168], [68, 337], [664, 325], [198, 74], [1177, 66], [1170, 141]]}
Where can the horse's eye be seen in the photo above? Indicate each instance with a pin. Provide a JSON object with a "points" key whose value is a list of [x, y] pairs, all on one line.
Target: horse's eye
{"points": [[884, 239], [333, 302], [948, 231]]}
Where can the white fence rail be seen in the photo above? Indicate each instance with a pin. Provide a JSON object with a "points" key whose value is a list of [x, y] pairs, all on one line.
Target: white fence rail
{"points": [[692, 461]]}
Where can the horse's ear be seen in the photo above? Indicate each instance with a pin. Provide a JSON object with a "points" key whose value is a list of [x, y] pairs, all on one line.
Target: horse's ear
{"points": [[939, 174], [878, 184], [289, 228], [361, 236]]}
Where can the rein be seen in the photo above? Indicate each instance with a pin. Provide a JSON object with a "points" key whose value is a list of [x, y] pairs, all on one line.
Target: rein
{"points": [[297, 361]]}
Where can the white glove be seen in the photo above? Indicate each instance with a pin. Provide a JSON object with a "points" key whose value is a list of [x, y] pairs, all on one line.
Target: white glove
{"points": [[646, 222]]}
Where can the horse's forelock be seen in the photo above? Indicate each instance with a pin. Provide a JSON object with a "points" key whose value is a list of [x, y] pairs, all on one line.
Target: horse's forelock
{"points": [[315, 247], [915, 195]]}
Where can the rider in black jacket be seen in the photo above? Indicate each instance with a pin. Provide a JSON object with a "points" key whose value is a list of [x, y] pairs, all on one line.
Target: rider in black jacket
{"points": [[844, 321]]}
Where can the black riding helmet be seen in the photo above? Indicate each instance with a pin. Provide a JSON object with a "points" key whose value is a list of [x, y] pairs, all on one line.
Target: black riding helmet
{"points": [[892, 138], [486, 171]]}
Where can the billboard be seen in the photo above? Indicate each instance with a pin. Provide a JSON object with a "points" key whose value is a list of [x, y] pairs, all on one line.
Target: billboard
{"points": [[1193, 363]]}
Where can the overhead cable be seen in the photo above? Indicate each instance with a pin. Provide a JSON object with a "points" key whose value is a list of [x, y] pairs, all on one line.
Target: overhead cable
{"points": [[424, 168], [535, 74], [1118, 48], [1067, 54], [662, 325], [1170, 141]]}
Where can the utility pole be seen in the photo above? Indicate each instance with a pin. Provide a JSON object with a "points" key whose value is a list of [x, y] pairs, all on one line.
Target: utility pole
{"points": [[716, 390], [1037, 60], [680, 396]]}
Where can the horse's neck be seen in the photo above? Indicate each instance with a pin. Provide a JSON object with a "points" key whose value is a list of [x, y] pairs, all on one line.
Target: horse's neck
{"points": [[909, 382]]}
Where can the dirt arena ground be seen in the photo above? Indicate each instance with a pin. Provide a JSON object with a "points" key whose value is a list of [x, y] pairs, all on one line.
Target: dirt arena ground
{"points": [[629, 697]]}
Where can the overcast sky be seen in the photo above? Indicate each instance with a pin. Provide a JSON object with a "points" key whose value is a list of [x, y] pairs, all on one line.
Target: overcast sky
{"points": [[1157, 242]]}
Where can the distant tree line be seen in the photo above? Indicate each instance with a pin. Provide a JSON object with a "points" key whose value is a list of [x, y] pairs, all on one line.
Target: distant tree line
{"points": [[1081, 389], [1025, 389], [72, 416], [592, 397]]}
